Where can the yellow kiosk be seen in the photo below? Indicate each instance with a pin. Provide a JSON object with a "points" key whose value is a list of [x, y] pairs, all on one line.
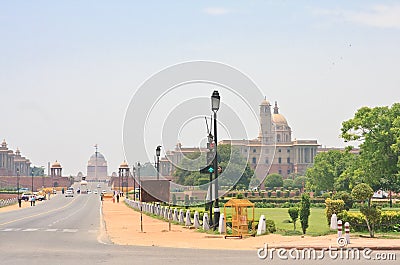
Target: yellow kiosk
{"points": [[236, 212]]}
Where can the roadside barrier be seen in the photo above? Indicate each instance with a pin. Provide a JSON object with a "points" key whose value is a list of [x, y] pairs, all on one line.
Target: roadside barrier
{"points": [[196, 220], [347, 231], [181, 217], [334, 222], [188, 222], [339, 228], [8, 202], [175, 217], [221, 226], [206, 226], [261, 226]]}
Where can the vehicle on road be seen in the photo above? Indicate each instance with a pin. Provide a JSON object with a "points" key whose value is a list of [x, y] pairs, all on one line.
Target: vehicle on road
{"points": [[95, 192], [69, 193], [26, 196], [98, 186]]}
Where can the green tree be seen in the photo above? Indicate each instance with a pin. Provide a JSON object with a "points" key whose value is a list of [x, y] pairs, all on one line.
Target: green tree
{"points": [[299, 182], [174, 199], [378, 131], [327, 172], [304, 211], [38, 171], [294, 214], [273, 180], [346, 198], [363, 192], [288, 183]]}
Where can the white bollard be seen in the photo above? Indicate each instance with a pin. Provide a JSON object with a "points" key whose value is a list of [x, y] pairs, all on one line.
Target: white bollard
{"points": [[170, 214], [261, 226], [339, 228], [175, 218], [188, 222], [181, 217], [347, 231], [334, 222], [206, 226], [221, 224], [196, 220]]}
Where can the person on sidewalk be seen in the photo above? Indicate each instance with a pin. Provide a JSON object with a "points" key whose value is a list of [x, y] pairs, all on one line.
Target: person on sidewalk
{"points": [[33, 200], [117, 197]]}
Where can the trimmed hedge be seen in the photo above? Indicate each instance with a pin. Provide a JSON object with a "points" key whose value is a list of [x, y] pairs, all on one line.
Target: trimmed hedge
{"points": [[388, 221]]}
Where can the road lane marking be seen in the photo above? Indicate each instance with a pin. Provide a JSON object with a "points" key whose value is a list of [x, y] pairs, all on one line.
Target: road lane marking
{"points": [[51, 230], [39, 214], [70, 230], [30, 230]]}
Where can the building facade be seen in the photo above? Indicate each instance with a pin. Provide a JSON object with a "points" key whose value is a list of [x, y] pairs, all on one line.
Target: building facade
{"points": [[10, 162], [97, 167]]}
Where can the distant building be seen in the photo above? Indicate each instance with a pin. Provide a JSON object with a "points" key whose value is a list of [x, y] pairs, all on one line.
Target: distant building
{"points": [[97, 167], [10, 162]]}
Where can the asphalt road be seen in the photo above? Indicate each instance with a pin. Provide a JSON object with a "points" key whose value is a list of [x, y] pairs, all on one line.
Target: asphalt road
{"points": [[69, 231]]}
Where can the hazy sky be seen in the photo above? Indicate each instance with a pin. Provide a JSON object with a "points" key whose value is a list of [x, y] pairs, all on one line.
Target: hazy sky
{"points": [[68, 69]]}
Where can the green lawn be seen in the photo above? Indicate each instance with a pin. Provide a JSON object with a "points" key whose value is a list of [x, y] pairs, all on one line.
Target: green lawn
{"points": [[317, 224]]}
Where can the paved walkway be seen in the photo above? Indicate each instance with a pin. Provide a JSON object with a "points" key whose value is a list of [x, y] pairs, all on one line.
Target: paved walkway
{"points": [[123, 228]]}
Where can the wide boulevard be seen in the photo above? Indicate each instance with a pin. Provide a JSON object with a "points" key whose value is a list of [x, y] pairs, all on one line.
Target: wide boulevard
{"points": [[69, 230]]}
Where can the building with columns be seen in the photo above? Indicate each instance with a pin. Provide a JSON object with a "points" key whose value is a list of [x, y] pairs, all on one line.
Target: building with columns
{"points": [[274, 151], [10, 161]]}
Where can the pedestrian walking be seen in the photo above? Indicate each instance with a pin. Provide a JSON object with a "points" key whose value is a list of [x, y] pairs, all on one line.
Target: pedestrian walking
{"points": [[117, 198], [33, 200]]}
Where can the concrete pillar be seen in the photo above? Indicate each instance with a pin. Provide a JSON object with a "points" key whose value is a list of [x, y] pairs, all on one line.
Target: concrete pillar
{"points": [[181, 217], [196, 220], [261, 226], [221, 226], [188, 222], [339, 229], [334, 222], [175, 218], [347, 231], [206, 226]]}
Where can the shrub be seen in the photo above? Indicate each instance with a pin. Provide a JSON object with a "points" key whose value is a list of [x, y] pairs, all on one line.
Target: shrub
{"points": [[239, 196], [270, 226], [278, 193], [269, 194], [294, 214], [333, 207], [304, 211], [346, 197]]}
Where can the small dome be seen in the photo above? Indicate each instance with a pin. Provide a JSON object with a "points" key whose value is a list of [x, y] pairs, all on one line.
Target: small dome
{"points": [[99, 156], [56, 165], [124, 165], [4, 143], [279, 119], [265, 102]]}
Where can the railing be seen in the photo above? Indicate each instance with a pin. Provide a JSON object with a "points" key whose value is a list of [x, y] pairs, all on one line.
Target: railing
{"points": [[8, 202]]}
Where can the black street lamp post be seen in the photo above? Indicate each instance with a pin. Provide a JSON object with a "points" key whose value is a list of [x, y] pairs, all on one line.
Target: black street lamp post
{"points": [[19, 199], [134, 182], [32, 180], [215, 102], [158, 151], [140, 197]]}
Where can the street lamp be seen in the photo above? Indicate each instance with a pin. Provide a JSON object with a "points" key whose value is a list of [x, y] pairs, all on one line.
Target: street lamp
{"points": [[158, 151], [32, 180], [19, 199], [215, 102], [140, 198], [124, 171], [134, 182]]}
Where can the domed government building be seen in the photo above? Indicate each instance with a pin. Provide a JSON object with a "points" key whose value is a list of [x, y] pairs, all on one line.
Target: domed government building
{"points": [[97, 167]]}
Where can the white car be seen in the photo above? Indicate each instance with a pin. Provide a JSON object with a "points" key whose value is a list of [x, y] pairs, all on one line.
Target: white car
{"points": [[95, 192], [69, 193]]}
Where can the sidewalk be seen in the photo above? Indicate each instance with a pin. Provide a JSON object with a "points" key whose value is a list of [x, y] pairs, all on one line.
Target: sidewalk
{"points": [[15, 206], [123, 228]]}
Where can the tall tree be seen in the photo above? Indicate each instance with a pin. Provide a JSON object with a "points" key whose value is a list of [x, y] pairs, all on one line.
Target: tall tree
{"points": [[378, 131]]}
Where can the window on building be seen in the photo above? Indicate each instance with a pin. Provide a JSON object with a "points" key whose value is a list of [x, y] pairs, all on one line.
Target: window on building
{"points": [[254, 150], [280, 171], [278, 138], [288, 150], [279, 150], [288, 171], [279, 160], [254, 160], [288, 160], [266, 161]]}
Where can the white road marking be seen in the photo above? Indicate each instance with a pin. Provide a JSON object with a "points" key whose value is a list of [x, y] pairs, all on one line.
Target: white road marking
{"points": [[51, 230], [70, 230], [30, 229]]}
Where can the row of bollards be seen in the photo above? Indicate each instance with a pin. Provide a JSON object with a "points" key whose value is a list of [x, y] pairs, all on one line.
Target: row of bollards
{"points": [[338, 224]]}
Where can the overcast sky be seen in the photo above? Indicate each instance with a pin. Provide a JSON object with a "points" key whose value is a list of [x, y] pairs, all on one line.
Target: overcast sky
{"points": [[68, 69]]}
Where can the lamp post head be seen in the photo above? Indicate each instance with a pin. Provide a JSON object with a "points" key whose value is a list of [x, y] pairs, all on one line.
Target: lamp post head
{"points": [[215, 99], [158, 150]]}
